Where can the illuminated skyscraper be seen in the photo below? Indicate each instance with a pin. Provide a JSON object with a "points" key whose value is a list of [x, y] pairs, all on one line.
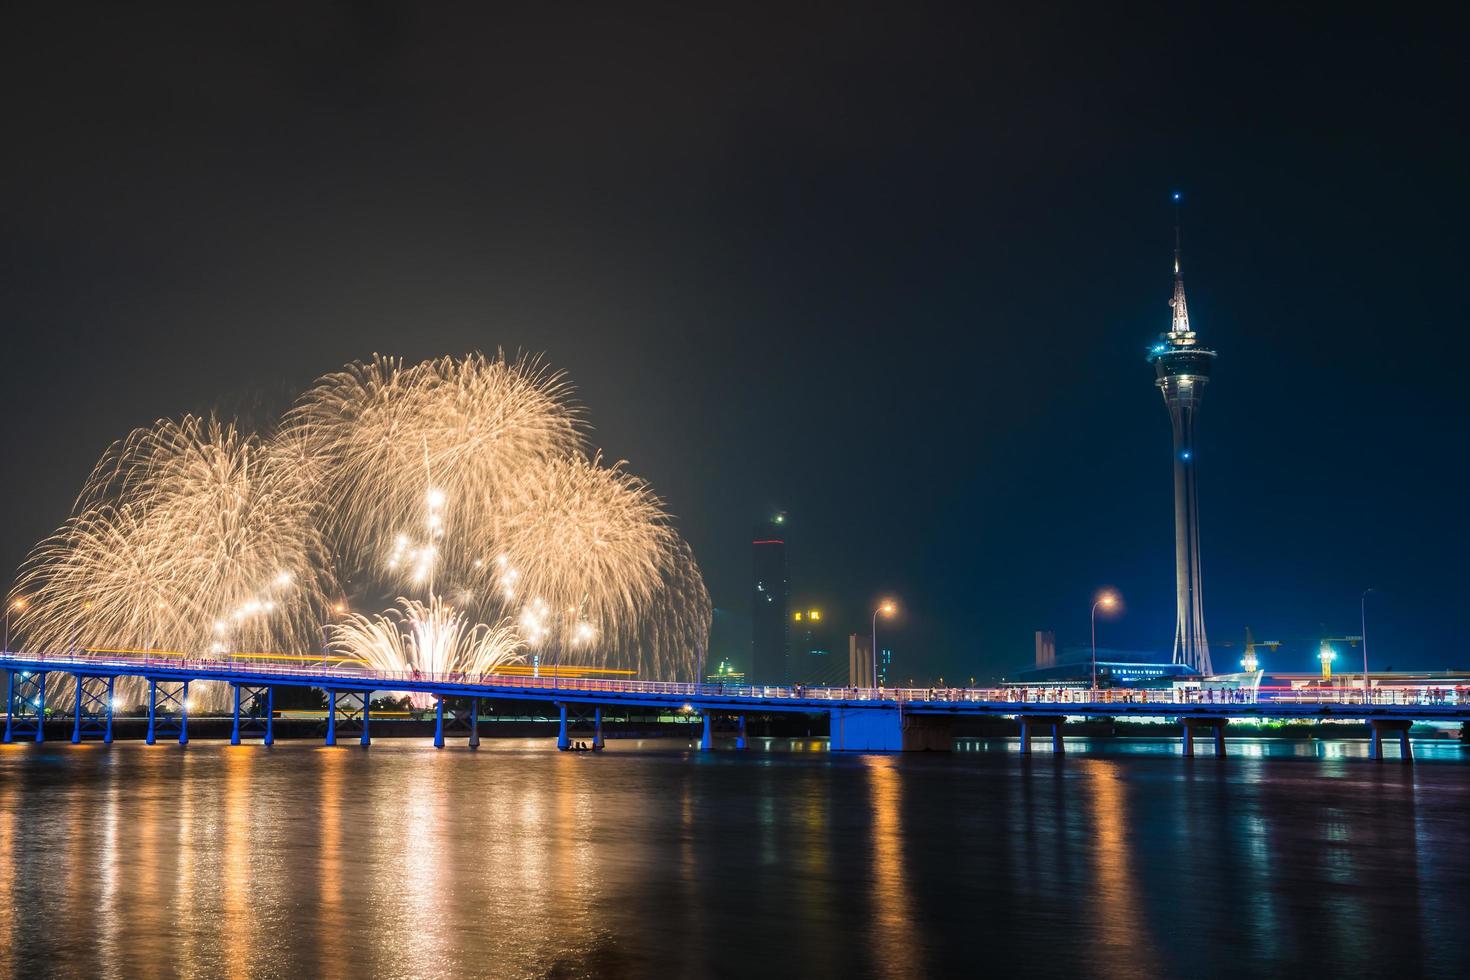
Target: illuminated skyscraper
{"points": [[1182, 368], [770, 622]]}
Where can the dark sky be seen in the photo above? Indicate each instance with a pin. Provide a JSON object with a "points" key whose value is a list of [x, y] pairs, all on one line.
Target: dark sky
{"points": [[891, 269]]}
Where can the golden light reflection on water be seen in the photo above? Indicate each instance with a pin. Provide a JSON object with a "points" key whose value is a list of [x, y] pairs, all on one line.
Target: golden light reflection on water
{"points": [[330, 924], [185, 852], [235, 874], [896, 948], [8, 806], [521, 861], [1120, 927]]}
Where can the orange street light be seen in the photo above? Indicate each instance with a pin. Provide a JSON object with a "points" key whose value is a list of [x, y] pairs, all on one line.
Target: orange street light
{"points": [[887, 607], [1108, 601]]}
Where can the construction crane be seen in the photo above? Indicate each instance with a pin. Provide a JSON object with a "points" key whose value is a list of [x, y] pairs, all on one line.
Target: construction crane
{"points": [[1250, 662], [1327, 654]]}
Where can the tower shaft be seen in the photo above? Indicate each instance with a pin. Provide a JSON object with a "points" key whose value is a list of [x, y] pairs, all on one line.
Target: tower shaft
{"points": [[1191, 646]]}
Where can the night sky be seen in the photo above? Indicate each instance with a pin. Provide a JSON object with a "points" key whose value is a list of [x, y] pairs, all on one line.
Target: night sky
{"points": [[891, 269]]}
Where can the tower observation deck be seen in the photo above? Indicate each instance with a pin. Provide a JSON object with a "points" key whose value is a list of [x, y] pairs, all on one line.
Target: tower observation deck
{"points": [[1182, 369]]}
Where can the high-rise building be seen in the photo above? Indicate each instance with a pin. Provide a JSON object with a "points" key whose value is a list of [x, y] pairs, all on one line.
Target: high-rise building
{"points": [[770, 620], [813, 645], [885, 667], [1182, 369]]}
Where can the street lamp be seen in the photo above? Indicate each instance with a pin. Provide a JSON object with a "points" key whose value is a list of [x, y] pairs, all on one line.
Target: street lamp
{"points": [[887, 607], [1108, 601], [1363, 621]]}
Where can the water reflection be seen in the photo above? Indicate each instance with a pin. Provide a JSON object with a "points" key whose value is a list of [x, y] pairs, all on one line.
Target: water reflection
{"points": [[896, 946], [1120, 933], [649, 858]]}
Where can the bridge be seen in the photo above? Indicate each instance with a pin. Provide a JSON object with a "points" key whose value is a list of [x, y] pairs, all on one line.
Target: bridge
{"points": [[862, 719]]}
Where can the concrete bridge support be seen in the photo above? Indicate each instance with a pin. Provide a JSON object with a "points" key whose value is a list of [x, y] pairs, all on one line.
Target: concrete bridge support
{"points": [[1394, 727], [597, 743], [706, 740], [1217, 725], [474, 723], [438, 722], [888, 729], [563, 741], [1032, 725], [740, 739]]}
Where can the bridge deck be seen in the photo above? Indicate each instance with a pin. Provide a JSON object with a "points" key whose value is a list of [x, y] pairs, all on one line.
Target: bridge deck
{"points": [[955, 702]]}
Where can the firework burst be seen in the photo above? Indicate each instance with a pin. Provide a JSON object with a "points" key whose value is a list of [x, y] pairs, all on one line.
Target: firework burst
{"points": [[189, 537], [461, 480], [426, 638]]}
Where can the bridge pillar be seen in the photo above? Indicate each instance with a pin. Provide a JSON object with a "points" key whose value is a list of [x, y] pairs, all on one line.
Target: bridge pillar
{"points": [[1392, 726], [597, 742], [76, 714], [235, 716], [331, 717], [885, 728], [28, 693], [1031, 725], [367, 697], [562, 742], [270, 716], [438, 722], [152, 737], [41, 707], [740, 739], [91, 707], [475, 723], [1217, 732], [184, 715], [706, 742], [107, 732]]}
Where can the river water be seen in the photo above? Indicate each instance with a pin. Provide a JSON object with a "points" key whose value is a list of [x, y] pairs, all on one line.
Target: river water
{"points": [[1120, 860]]}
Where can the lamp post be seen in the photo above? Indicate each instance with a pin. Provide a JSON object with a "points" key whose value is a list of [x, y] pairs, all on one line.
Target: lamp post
{"points": [[1363, 623], [1106, 600], [887, 608]]}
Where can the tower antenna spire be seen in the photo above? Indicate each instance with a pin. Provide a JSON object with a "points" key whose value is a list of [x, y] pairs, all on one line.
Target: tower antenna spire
{"points": [[1178, 219], [1179, 322]]}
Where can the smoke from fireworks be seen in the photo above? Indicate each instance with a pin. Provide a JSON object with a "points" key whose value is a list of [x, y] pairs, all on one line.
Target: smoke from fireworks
{"points": [[459, 484]]}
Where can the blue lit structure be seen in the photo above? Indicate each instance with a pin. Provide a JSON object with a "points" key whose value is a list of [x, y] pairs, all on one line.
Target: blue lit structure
{"points": [[1181, 371], [862, 719]]}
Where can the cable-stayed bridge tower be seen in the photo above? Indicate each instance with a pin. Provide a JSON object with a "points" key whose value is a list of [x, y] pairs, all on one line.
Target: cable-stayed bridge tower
{"points": [[1182, 369]]}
